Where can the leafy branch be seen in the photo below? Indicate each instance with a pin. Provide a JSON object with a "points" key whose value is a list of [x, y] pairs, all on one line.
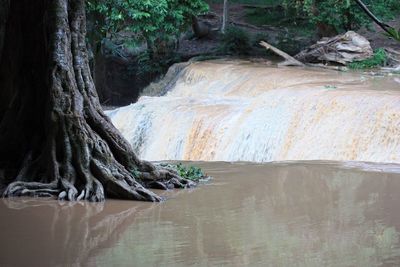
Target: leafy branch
{"points": [[389, 31]]}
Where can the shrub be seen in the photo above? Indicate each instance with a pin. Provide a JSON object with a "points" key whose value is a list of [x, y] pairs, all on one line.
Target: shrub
{"points": [[235, 41], [392, 33], [188, 172], [378, 59], [342, 15]]}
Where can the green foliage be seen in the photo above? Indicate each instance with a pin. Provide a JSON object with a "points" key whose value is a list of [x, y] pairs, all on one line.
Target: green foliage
{"points": [[153, 21], [235, 41], [378, 59], [248, 2], [342, 14], [190, 172], [393, 33], [261, 16]]}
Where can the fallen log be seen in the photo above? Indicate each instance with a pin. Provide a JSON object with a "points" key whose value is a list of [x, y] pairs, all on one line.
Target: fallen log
{"points": [[328, 67], [289, 60]]}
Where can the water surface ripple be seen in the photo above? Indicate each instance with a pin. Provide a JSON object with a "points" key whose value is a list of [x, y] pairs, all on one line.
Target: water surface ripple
{"points": [[275, 214]]}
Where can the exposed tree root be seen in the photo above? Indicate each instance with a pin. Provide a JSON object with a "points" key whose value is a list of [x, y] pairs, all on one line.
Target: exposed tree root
{"points": [[58, 141], [101, 184]]}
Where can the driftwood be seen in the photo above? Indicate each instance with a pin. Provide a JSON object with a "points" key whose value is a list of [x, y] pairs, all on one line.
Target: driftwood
{"points": [[328, 67], [289, 60], [342, 49], [393, 56], [393, 60]]}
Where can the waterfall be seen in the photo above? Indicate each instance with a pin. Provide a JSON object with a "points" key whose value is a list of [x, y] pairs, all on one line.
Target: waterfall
{"points": [[242, 111]]}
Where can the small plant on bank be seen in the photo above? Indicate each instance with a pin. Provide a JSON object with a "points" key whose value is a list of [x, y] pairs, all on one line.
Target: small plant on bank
{"points": [[379, 59], [188, 172], [235, 41]]}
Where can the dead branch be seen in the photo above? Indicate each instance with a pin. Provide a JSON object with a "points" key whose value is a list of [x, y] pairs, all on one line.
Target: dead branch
{"points": [[289, 60]]}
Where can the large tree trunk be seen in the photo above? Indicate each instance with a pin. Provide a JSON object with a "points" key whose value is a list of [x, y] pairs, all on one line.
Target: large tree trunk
{"points": [[4, 4], [54, 137]]}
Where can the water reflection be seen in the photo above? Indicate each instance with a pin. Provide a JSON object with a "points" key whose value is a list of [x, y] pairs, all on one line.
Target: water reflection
{"points": [[272, 215], [51, 233], [277, 214]]}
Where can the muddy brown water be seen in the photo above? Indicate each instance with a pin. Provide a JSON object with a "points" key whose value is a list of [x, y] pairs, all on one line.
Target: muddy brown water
{"points": [[275, 214]]}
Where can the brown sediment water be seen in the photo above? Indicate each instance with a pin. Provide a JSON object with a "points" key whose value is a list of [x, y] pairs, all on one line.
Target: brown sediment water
{"points": [[243, 111], [274, 214]]}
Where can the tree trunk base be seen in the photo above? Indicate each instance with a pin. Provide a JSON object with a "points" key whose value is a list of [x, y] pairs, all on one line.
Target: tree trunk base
{"points": [[96, 191], [55, 140]]}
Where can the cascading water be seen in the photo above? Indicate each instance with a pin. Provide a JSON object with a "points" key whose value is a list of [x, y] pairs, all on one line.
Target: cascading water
{"points": [[241, 111]]}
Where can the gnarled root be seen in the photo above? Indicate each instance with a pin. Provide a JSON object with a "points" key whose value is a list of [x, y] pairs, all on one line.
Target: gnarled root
{"points": [[107, 184], [31, 189], [159, 177], [55, 140]]}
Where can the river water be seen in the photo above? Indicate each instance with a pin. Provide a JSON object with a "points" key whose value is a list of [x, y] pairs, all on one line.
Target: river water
{"points": [[276, 214]]}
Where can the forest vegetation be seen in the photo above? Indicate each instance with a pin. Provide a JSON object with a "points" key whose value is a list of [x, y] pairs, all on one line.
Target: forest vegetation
{"points": [[146, 38]]}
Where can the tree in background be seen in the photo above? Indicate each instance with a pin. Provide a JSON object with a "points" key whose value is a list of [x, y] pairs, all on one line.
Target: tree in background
{"points": [[390, 31], [149, 30], [334, 16], [224, 16], [156, 22]]}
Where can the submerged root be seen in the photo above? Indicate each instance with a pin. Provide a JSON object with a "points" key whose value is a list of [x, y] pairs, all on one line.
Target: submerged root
{"points": [[107, 185], [164, 178], [31, 189]]}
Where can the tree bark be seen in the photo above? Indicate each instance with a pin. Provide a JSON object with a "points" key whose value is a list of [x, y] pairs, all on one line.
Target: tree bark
{"points": [[4, 5], [55, 139], [224, 16]]}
